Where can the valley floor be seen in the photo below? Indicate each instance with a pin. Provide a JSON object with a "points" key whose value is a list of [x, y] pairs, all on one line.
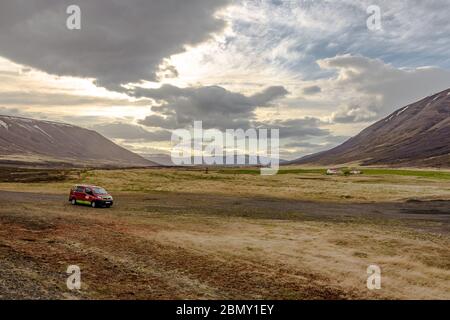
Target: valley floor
{"points": [[178, 234]]}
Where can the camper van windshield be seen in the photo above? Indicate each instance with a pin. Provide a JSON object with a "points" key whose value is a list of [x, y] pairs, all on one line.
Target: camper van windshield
{"points": [[99, 191]]}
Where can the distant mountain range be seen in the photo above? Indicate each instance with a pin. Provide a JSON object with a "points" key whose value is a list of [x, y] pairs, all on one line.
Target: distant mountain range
{"points": [[165, 160], [28, 142], [416, 135]]}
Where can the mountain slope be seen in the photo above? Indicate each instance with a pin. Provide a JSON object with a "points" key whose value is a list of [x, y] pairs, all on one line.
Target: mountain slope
{"points": [[34, 142], [416, 135]]}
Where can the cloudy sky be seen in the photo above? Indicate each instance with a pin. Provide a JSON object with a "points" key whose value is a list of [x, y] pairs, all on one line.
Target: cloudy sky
{"points": [[138, 69]]}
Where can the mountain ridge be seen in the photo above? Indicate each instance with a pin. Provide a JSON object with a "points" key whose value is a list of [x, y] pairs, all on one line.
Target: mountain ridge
{"points": [[32, 142], [415, 135]]}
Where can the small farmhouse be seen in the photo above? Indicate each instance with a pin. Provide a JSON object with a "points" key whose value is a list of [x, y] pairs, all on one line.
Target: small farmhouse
{"points": [[333, 171]]}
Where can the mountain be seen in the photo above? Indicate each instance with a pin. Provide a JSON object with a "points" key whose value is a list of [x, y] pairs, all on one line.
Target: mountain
{"points": [[29, 142], [415, 135], [165, 160]]}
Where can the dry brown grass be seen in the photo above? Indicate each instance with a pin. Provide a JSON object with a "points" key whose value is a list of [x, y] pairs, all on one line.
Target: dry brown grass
{"points": [[314, 187], [167, 239]]}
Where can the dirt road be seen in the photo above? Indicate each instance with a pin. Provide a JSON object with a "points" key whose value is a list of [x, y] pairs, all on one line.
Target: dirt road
{"points": [[423, 215]]}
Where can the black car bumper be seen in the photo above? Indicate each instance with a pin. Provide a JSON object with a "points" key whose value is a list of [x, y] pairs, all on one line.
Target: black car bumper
{"points": [[105, 203]]}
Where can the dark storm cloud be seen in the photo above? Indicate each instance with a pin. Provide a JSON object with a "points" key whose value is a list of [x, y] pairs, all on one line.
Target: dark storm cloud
{"points": [[269, 94], [119, 41], [296, 128], [221, 109], [215, 106], [312, 90]]}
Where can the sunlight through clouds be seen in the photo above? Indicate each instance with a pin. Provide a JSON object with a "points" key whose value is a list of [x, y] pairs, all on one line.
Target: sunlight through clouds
{"points": [[321, 52]]}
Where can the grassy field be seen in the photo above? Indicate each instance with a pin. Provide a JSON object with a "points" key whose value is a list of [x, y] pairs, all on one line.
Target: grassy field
{"points": [[433, 174], [291, 183], [227, 234]]}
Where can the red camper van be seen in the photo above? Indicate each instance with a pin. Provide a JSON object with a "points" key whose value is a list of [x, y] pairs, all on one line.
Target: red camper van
{"points": [[93, 196]]}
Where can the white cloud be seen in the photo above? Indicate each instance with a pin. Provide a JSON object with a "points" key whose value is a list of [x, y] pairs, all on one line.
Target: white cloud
{"points": [[368, 89]]}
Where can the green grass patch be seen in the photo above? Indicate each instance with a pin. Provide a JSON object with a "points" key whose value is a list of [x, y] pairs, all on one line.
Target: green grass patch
{"points": [[411, 173], [256, 171], [239, 171], [365, 171], [302, 171]]}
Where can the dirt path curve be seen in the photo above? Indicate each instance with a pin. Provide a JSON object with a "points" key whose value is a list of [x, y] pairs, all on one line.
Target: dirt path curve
{"points": [[417, 214]]}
